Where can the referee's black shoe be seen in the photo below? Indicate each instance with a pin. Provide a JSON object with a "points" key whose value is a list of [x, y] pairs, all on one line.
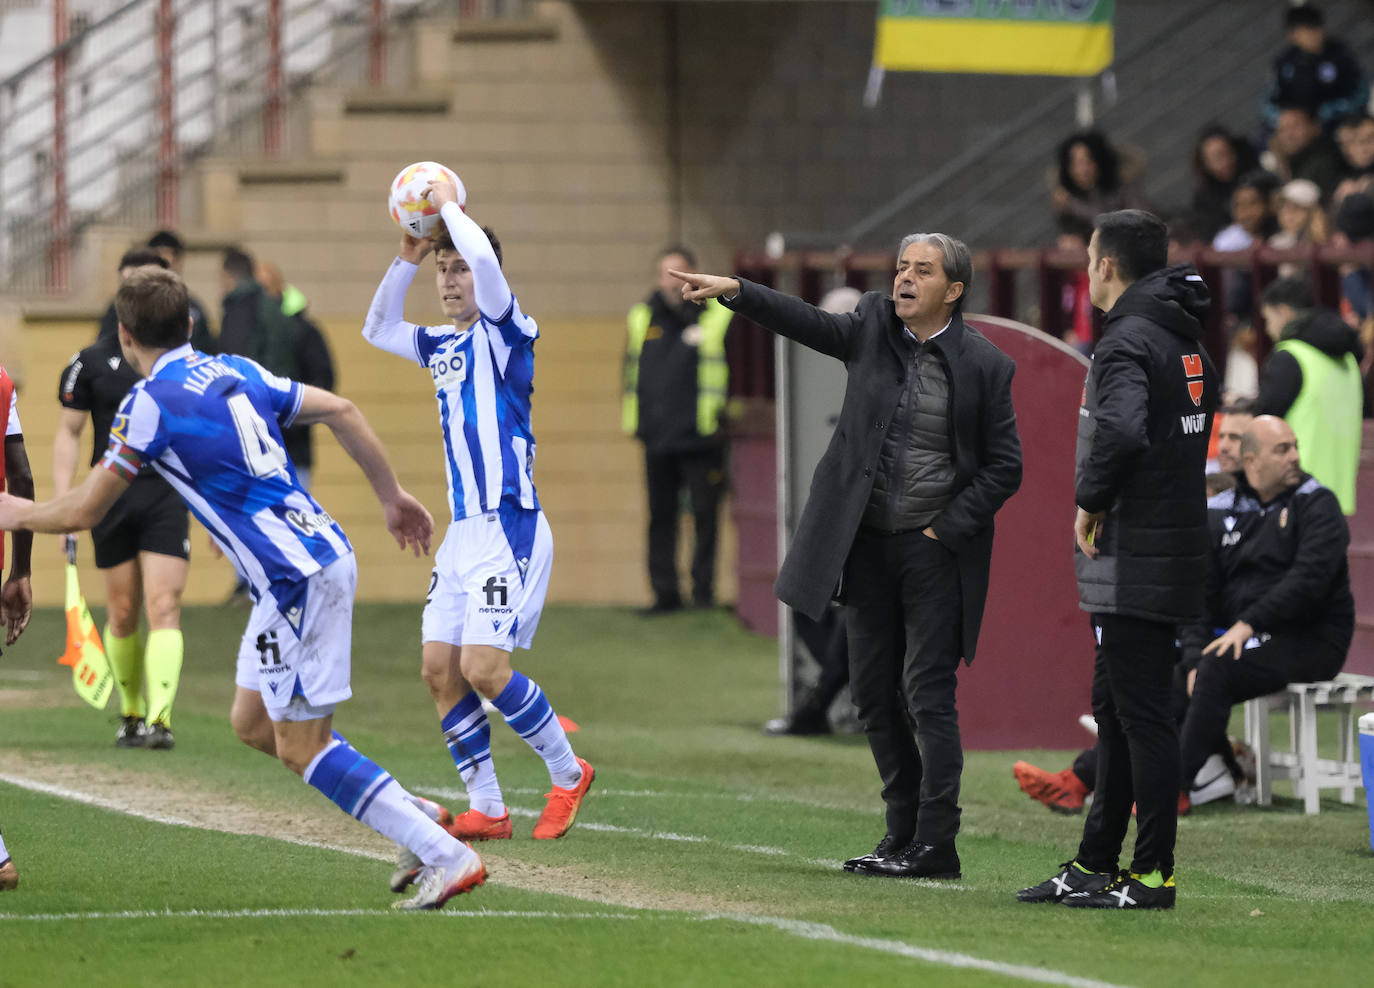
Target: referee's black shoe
{"points": [[921, 860], [160, 736], [864, 863], [132, 733], [1072, 879]]}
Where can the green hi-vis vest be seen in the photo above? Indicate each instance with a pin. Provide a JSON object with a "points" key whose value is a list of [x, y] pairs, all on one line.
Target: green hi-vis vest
{"points": [[713, 374], [1327, 418]]}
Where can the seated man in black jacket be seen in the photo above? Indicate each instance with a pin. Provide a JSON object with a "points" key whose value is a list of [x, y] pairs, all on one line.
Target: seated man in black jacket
{"points": [[1278, 584]]}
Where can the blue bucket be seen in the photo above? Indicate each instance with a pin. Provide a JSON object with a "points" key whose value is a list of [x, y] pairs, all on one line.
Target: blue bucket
{"points": [[1367, 768]]}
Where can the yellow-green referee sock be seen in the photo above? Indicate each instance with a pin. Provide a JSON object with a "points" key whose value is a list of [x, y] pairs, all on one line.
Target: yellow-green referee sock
{"points": [[162, 666], [126, 661]]}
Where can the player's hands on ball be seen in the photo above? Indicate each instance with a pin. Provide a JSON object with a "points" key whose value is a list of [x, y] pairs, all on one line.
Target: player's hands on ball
{"points": [[414, 249], [409, 523], [442, 192], [700, 287]]}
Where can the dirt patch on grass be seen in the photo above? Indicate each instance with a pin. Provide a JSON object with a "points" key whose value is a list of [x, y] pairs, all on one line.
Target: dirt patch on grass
{"points": [[237, 813], [39, 699]]}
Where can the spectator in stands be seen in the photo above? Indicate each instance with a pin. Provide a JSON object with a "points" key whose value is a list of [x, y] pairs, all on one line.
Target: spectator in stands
{"points": [[314, 364], [673, 401], [173, 251], [1312, 379], [1301, 221], [1253, 223], [1252, 218], [1093, 177], [1220, 158], [134, 258], [1278, 584], [1076, 312], [1314, 70], [1355, 138], [1300, 149], [1299, 215], [1354, 222]]}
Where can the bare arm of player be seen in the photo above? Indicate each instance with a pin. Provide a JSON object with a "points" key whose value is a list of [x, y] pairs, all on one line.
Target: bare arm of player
{"points": [[700, 287], [406, 518], [75, 511], [16, 597], [66, 449]]}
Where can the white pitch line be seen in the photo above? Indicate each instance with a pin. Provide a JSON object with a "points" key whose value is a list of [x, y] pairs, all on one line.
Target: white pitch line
{"points": [[944, 958], [828, 864], [304, 913]]}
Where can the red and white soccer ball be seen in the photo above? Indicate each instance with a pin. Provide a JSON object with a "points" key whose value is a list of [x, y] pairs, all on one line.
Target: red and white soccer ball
{"points": [[410, 207]]}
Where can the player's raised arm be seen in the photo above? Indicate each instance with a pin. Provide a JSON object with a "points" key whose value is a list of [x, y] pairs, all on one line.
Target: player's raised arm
{"points": [[406, 518], [494, 296], [385, 326]]}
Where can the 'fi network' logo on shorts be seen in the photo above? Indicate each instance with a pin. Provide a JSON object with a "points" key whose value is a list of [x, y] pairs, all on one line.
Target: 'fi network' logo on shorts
{"points": [[495, 589]]}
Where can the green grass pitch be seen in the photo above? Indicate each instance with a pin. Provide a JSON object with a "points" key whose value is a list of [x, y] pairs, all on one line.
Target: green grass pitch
{"points": [[706, 853]]}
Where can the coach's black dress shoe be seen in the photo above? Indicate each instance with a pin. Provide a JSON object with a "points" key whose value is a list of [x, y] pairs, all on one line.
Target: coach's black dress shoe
{"points": [[865, 864], [918, 860]]}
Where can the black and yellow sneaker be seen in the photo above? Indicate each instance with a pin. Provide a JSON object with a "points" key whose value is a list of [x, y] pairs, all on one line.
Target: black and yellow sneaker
{"points": [[1072, 878], [1129, 890]]}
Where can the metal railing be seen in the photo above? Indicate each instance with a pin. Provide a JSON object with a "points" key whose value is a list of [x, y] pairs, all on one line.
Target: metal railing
{"points": [[100, 126]]}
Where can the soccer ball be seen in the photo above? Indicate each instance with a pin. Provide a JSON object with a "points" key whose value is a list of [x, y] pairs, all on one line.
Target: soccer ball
{"points": [[410, 207]]}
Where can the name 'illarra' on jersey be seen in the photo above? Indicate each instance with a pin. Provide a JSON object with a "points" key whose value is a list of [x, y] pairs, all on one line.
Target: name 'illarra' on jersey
{"points": [[212, 427]]}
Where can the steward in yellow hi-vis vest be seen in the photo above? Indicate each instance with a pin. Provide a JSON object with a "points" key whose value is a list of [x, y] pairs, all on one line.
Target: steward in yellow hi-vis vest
{"points": [[675, 379], [1312, 381]]}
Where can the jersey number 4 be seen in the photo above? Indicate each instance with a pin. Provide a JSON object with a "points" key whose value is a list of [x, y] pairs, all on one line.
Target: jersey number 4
{"points": [[265, 458]]}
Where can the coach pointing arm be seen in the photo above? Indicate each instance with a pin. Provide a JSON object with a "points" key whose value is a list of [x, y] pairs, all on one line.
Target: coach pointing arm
{"points": [[898, 523]]}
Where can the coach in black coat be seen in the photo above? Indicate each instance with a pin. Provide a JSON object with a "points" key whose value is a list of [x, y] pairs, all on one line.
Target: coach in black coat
{"points": [[899, 522]]}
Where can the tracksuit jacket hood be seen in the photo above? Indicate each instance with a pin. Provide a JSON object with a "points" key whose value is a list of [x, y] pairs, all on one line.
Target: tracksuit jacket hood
{"points": [[1174, 297]]}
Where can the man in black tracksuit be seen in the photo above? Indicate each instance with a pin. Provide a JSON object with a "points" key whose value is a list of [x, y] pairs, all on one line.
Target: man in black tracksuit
{"points": [[1141, 533], [1279, 608]]}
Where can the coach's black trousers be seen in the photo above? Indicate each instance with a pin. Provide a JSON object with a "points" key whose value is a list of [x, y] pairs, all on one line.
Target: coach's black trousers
{"points": [[702, 473], [1222, 681], [904, 609], [1138, 758]]}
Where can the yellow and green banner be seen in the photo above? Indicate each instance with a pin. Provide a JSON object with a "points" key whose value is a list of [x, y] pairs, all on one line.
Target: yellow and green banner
{"points": [[1008, 37]]}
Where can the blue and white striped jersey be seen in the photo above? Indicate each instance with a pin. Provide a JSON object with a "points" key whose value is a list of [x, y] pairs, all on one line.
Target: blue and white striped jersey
{"points": [[212, 427], [483, 376]]}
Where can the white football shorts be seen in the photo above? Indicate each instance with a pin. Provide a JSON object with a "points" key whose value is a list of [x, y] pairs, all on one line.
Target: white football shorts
{"points": [[489, 580], [297, 651]]}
